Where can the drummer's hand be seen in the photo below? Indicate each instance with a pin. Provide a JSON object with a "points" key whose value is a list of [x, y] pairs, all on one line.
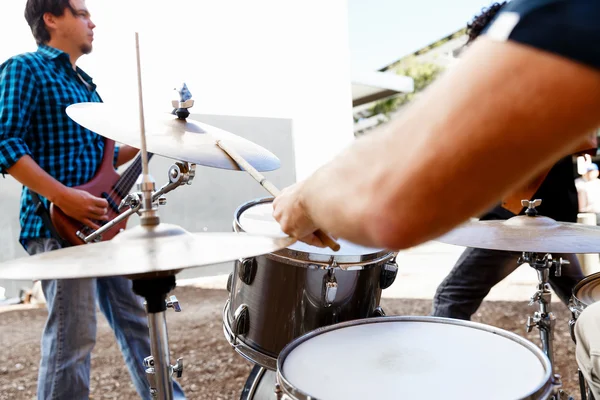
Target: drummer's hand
{"points": [[289, 211]]}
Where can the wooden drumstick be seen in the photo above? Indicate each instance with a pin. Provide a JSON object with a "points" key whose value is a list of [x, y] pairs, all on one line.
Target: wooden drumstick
{"points": [[245, 165]]}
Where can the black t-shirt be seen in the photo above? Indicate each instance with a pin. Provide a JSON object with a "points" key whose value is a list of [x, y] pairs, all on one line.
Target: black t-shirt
{"points": [[557, 192], [569, 28]]}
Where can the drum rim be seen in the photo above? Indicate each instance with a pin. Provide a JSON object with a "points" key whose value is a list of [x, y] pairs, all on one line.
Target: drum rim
{"points": [[545, 388], [303, 257], [582, 283]]}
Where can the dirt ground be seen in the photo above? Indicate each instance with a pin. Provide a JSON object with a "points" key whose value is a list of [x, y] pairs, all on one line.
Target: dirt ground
{"points": [[213, 370]]}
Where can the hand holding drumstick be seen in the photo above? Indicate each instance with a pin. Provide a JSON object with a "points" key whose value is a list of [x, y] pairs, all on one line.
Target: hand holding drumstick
{"points": [[323, 237]]}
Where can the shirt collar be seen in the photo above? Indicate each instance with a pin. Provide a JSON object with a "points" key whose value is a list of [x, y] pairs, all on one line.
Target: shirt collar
{"points": [[51, 52]]}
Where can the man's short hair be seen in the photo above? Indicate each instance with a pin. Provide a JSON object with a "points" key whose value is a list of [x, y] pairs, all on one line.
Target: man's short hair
{"points": [[34, 14]]}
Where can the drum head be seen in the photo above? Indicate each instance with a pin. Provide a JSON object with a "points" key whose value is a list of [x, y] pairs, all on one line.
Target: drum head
{"points": [[414, 358], [588, 290], [257, 217]]}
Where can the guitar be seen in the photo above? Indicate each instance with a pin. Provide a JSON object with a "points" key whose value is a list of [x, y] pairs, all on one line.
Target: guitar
{"points": [[107, 184]]}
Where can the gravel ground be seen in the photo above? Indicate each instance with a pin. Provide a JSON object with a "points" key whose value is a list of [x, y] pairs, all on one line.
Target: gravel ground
{"points": [[213, 370]]}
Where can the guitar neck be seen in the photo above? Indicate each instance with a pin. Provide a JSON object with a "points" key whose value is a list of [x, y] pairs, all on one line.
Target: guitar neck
{"points": [[129, 177]]}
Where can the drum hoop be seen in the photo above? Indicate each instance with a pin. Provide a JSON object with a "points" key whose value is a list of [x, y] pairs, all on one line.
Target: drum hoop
{"points": [[541, 393], [582, 283], [302, 257]]}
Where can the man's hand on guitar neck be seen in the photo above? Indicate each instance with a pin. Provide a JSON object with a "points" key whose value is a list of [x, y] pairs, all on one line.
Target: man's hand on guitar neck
{"points": [[77, 204]]}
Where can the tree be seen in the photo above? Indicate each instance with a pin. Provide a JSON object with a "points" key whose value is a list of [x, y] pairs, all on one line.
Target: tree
{"points": [[423, 74]]}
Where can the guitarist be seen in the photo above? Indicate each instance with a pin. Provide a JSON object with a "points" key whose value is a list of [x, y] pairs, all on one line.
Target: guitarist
{"points": [[478, 270], [41, 147]]}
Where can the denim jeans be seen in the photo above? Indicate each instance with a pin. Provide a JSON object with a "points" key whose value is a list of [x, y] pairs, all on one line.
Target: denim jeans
{"points": [[70, 332], [478, 270]]}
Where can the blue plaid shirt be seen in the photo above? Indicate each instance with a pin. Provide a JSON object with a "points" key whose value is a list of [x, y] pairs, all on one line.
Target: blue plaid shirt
{"points": [[35, 89]]}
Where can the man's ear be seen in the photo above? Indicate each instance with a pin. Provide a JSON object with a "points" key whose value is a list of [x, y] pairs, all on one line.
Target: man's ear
{"points": [[49, 20]]}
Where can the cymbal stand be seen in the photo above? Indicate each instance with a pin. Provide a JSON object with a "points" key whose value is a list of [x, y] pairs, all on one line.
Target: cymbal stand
{"points": [[154, 288], [180, 173], [544, 319]]}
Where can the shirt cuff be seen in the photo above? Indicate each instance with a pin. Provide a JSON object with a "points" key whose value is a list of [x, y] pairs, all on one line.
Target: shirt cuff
{"points": [[11, 150]]}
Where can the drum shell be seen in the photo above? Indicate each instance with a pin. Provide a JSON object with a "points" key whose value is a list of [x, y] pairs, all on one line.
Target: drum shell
{"points": [[277, 297], [286, 301]]}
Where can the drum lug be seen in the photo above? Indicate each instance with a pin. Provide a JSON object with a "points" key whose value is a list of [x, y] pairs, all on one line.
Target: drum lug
{"points": [[241, 321], [378, 312], [389, 270], [229, 282], [247, 270], [572, 329], [330, 286]]}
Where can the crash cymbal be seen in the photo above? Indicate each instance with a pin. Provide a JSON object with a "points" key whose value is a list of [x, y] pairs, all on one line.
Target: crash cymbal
{"points": [[166, 135], [526, 234], [142, 251]]}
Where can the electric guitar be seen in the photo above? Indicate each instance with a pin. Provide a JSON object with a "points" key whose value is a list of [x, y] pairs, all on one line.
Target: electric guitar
{"points": [[107, 184]]}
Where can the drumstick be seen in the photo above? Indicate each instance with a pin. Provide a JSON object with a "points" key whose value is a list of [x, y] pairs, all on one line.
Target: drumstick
{"points": [[323, 237]]}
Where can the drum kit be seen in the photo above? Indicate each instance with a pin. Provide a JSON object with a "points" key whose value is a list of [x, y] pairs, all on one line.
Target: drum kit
{"points": [[309, 318]]}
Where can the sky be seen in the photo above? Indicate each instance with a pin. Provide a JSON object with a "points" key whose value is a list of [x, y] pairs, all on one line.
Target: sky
{"points": [[383, 31]]}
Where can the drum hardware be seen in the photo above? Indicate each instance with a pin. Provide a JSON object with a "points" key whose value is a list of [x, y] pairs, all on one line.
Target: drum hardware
{"points": [[378, 312], [179, 174], [185, 102], [229, 282], [150, 374], [330, 286], [389, 271], [247, 270], [241, 321], [326, 239]]}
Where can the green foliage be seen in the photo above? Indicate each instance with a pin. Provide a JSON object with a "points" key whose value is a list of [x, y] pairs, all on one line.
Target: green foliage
{"points": [[423, 75]]}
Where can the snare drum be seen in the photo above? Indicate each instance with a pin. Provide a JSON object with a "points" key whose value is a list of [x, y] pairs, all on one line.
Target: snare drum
{"points": [[413, 358], [277, 297]]}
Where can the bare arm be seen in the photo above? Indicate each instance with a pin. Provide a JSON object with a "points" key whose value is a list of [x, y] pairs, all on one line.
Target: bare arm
{"points": [[126, 153], [76, 203], [504, 105]]}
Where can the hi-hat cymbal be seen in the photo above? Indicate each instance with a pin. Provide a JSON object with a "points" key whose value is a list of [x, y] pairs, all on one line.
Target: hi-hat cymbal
{"points": [[169, 136], [142, 251], [526, 234]]}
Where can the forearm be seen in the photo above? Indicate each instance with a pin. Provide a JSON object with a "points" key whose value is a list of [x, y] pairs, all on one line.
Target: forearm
{"points": [[126, 153], [438, 165], [30, 174]]}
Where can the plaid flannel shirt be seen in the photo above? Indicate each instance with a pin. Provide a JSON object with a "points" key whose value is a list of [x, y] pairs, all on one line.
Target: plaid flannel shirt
{"points": [[35, 89]]}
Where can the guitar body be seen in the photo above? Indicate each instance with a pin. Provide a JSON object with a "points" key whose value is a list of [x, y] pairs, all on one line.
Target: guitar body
{"points": [[101, 185]]}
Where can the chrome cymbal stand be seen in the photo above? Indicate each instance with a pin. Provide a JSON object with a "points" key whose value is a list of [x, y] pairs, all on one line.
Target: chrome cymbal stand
{"points": [[154, 287], [543, 319]]}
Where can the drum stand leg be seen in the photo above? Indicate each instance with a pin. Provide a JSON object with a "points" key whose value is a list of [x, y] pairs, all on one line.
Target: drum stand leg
{"points": [[158, 368], [544, 319]]}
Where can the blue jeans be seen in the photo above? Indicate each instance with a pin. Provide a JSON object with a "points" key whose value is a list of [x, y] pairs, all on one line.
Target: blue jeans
{"points": [[70, 332], [478, 270]]}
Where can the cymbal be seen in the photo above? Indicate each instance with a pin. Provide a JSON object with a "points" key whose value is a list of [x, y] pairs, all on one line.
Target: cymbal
{"points": [[166, 135], [142, 251], [526, 234]]}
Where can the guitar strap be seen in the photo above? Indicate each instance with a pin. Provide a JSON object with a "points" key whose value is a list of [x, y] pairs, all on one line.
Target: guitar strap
{"points": [[42, 211]]}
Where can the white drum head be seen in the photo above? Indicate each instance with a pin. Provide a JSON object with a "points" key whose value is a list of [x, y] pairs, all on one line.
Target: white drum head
{"points": [[413, 360], [259, 219]]}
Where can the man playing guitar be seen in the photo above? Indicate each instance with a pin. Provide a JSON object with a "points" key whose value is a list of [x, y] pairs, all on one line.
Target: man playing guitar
{"points": [[51, 155]]}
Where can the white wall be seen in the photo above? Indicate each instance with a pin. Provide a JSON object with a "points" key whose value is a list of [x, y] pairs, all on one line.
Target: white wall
{"points": [[267, 58]]}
